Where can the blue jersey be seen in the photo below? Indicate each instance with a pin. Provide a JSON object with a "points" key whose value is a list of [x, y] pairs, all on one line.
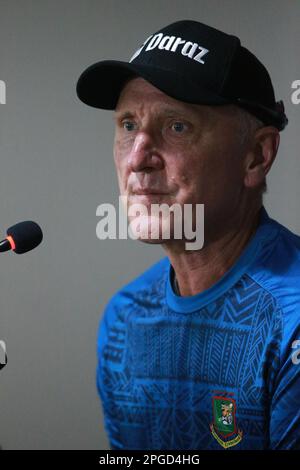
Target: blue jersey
{"points": [[216, 370]]}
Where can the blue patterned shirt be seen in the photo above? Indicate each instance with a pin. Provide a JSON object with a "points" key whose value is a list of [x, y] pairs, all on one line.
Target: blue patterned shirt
{"points": [[216, 370]]}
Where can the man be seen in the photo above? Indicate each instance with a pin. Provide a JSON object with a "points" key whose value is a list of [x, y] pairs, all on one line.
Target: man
{"points": [[198, 352]]}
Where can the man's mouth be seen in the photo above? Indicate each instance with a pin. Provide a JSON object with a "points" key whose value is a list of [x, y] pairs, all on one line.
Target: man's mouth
{"points": [[148, 191]]}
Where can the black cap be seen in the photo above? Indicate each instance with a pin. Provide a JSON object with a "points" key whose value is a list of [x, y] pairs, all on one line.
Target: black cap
{"points": [[194, 63]]}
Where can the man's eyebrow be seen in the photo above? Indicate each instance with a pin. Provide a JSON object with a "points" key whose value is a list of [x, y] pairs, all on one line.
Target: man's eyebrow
{"points": [[168, 111], [123, 115]]}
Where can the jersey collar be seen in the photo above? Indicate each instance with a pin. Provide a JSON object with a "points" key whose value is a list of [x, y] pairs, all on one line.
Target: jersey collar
{"points": [[266, 232]]}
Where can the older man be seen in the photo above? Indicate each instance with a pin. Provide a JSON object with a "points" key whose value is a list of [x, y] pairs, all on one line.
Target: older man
{"points": [[199, 351]]}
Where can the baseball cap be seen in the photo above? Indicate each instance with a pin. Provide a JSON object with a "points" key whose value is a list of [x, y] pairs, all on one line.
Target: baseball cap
{"points": [[191, 62]]}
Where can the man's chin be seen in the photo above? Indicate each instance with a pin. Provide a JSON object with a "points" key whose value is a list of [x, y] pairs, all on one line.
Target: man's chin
{"points": [[150, 230], [150, 241]]}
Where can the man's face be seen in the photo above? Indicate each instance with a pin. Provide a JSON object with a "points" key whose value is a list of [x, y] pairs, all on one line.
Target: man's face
{"points": [[168, 151]]}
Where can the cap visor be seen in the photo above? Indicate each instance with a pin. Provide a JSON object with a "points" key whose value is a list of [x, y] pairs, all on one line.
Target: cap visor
{"points": [[100, 84]]}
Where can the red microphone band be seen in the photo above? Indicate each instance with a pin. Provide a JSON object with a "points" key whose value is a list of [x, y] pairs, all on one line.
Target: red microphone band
{"points": [[11, 241]]}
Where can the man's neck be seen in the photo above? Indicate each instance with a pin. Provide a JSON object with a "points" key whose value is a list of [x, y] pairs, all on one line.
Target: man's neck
{"points": [[197, 271]]}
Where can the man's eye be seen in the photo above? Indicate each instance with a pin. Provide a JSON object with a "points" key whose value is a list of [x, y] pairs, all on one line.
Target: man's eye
{"points": [[128, 125], [178, 127]]}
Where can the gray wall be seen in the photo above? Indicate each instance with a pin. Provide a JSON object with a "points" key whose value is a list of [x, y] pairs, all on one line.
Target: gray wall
{"points": [[56, 168]]}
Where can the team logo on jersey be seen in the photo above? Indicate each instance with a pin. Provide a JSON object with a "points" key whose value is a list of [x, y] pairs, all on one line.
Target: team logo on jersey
{"points": [[224, 428]]}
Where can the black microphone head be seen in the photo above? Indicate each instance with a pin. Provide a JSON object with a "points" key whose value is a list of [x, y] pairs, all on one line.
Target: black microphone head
{"points": [[26, 236]]}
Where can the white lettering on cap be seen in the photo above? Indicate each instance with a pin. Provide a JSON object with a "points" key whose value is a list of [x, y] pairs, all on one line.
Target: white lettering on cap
{"points": [[189, 49], [171, 43], [154, 41], [201, 54], [166, 42], [140, 49], [177, 43]]}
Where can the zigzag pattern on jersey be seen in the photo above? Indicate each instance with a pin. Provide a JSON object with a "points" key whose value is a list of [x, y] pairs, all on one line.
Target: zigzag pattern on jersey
{"points": [[159, 365], [262, 355]]}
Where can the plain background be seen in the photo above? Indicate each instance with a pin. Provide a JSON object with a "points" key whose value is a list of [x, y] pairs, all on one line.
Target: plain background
{"points": [[57, 167]]}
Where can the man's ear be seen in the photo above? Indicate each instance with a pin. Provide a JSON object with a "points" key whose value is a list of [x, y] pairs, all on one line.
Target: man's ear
{"points": [[261, 155]]}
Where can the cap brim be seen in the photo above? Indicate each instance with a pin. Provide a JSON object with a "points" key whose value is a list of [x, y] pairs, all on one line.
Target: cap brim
{"points": [[100, 84]]}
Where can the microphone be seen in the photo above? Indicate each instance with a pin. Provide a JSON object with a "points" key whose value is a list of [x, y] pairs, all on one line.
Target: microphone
{"points": [[22, 237]]}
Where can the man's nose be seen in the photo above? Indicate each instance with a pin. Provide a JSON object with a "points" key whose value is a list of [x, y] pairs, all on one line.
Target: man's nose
{"points": [[144, 155]]}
